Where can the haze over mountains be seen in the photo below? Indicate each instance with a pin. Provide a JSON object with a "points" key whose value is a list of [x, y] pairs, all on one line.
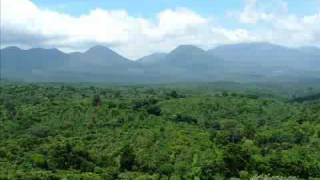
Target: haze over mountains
{"points": [[239, 62]]}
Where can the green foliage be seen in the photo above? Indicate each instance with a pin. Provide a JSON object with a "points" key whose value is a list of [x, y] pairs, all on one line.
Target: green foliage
{"points": [[66, 156], [184, 118], [127, 159], [53, 131], [173, 94], [39, 160], [155, 110], [96, 101]]}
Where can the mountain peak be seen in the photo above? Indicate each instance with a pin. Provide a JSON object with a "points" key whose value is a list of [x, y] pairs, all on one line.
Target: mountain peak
{"points": [[11, 48], [102, 53], [99, 49], [188, 47]]}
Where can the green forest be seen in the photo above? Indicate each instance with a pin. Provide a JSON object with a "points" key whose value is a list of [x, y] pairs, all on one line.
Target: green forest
{"points": [[83, 131]]}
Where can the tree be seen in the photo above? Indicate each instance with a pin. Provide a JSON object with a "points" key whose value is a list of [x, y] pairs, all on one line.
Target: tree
{"points": [[96, 101], [155, 110], [184, 118], [173, 94], [127, 159], [235, 159]]}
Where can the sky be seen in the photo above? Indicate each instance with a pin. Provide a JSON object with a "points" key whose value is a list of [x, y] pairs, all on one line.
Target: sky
{"points": [[135, 28]]}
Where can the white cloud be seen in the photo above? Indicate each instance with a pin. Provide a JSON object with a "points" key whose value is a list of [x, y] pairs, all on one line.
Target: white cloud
{"points": [[22, 16], [250, 15], [233, 36], [300, 30], [279, 25], [26, 25]]}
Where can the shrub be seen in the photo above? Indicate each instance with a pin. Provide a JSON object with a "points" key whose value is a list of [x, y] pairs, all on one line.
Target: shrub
{"points": [[155, 110], [39, 160], [96, 101], [184, 118], [127, 159], [66, 156], [166, 169]]}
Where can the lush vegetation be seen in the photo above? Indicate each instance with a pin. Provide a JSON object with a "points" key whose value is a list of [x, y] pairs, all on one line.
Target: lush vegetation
{"points": [[81, 132]]}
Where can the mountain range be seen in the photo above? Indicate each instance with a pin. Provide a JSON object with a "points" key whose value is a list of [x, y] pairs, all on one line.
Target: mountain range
{"points": [[186, 63]]}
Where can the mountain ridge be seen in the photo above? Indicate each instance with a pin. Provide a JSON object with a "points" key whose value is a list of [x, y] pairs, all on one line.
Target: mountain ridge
{"points": [[301, 48], [235, 62]]}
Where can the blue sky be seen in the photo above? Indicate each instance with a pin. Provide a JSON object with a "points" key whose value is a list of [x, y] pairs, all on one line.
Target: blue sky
{"points": [[146, 8], [149, 8], [136, 28]]}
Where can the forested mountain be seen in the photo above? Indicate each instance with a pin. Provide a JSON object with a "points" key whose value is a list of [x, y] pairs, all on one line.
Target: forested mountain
{"points": [[184, 63], [152, 58], [17, 62], [310, 50], [99, 57], [267, 61], [96, 64], [188, 56], [239, 62], [271, 55], [100, 61]]}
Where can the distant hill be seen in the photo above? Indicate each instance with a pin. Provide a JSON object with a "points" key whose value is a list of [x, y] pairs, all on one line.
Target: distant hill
{"points": [[313, 97], [96, 64], [99, 59], [266, 54], [268, 61], [25, 60], [152, 58], [18, 63], [184, 63], [237, 62], [310, 50], [191, 57]]}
